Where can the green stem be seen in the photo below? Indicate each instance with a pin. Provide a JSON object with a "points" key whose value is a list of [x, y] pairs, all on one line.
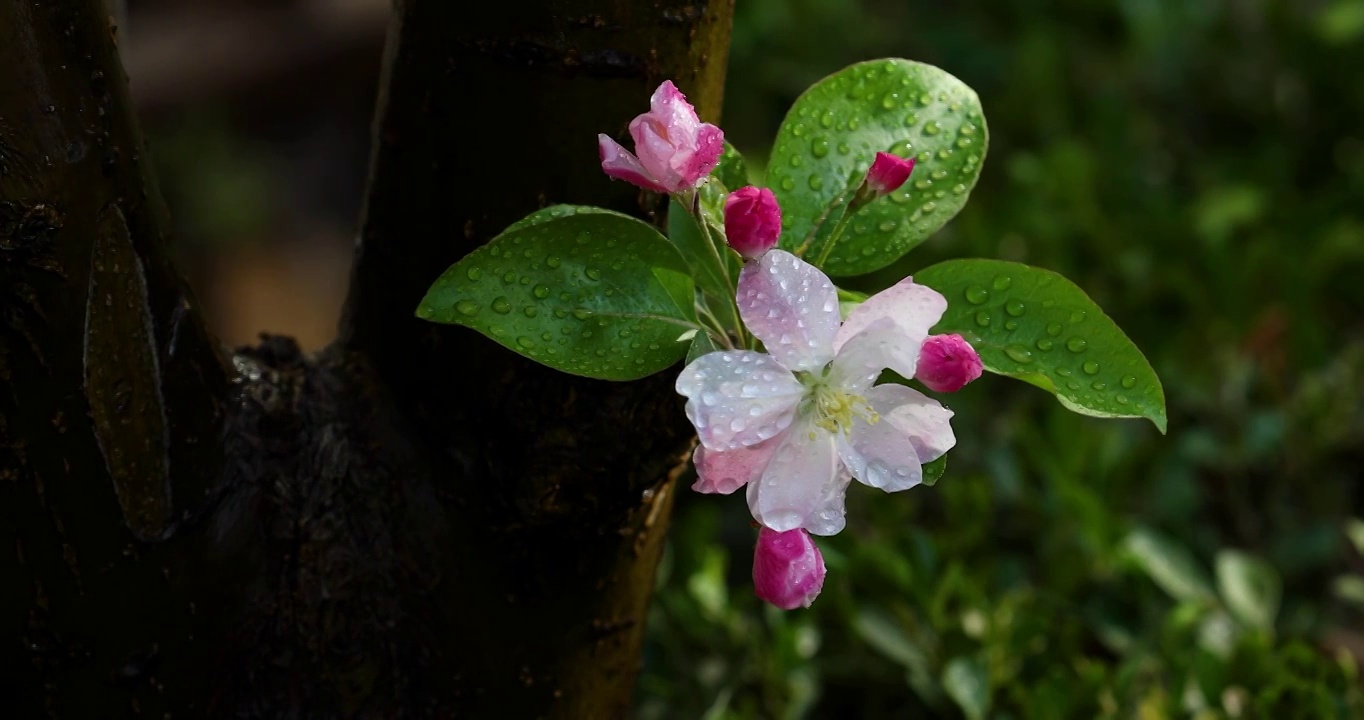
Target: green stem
{"points": [[833, 237], [714, 245]]}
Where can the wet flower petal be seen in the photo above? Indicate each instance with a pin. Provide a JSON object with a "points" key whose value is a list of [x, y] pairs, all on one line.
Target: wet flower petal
{"points": [[738, 398], [791, 307]]}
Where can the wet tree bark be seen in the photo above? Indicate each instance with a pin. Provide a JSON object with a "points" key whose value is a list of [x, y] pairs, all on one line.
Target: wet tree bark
{"points": [[412, 523]]}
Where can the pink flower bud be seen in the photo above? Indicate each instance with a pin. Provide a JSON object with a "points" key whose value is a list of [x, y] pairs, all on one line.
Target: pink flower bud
{"points": [[788, 570], [752, 221], [888, 172], [947, 363], [675, 150]]}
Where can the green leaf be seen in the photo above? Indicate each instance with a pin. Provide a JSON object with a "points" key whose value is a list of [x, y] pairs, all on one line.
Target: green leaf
{"points": [[1250, 587], [554, 212], [1169, 565], [732, 170], [933, 471], [587, 292], [706, 263], [835, 129], [968, 683], [701, 343], [1036, 326]]}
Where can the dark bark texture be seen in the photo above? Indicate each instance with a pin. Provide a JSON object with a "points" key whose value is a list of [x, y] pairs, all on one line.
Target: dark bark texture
{"points": [[414, 522]]}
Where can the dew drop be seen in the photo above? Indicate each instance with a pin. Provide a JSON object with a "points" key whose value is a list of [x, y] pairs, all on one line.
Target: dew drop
{"points": [[525, 342], [541, 291], [924, 156], [843, 149], [1054, 329], [819, 148], [552, 261], [925, 99], [816, 182], [582, 313], [1090, 368], [911, 120], [530, 311], [1018, 354], [1122, 399], [983, 318], [959, 189], [788, 184], [1014, 307], [932, 128], [938, 174], [502, 306], [853, 123], [1063, 372], [592, 273], [886, 226], [425, 311], [1044, 344], [473, 274], [1129, 382], [1099, 386], [827, 121], [1077, 344], [1077, 317], [903, 149], [798, 129], [923, 184], [977, 294], [1011, 324], [929, 207], [890, 101], [964, 143], [1003, 282], [509, 277], [1073, 384], [944, 153]]}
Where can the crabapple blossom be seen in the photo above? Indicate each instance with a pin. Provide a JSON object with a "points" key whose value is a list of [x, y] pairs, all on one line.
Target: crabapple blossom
{"points": [[798, 423], [947, 363], [788, 570], [674, 150], [752, 221]]}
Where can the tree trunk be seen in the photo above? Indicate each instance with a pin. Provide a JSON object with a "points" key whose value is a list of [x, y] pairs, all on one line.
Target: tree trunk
{"points": [[412, 523]]}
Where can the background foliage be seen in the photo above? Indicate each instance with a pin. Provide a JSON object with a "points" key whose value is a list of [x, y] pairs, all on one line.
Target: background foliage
{"points": [[1197, 166]]}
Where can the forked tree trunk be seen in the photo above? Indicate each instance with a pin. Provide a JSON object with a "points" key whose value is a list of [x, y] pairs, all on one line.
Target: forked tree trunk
{"points": [[412, 523]]}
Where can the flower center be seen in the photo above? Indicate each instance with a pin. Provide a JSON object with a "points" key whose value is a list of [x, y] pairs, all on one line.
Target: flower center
{"points": [[833, 408]]}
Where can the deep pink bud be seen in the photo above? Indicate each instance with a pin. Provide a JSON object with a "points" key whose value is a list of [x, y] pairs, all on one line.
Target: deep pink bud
{"points": [[674, 150], [788, 570], [752, 220], [888, 172], [947, 363]]}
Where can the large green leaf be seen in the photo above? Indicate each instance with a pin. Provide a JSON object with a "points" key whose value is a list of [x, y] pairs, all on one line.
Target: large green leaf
{"points": [[1037, 326], [584, 291], [833, 131], [732, 171]]}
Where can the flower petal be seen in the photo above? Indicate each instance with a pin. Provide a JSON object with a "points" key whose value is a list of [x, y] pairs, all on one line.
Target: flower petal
{"points": [[795, 487], [656, 150], [882, 345], [792, 307], [621, 164], [915, 308], [724, 471], [738, 398], [710, 144], [881, 455], [923, 419], [670, 107]]}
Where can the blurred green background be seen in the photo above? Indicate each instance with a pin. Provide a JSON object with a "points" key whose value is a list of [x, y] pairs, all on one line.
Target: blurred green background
{"points": [[1197, 166]]}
